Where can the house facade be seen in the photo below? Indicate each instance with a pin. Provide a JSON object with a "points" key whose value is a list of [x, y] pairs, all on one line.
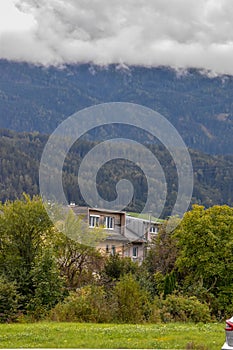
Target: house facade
{"points": [[113, 222], [140, 232], [125, 235]]}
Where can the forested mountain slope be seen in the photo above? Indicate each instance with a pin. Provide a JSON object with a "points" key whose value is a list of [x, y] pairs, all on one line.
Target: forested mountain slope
{"points": [[34, 98], [20, 159]]}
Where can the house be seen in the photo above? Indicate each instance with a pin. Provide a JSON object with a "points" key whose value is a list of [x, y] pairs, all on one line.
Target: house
{"points": [[140, 232], [112, 221], [126, 235]]}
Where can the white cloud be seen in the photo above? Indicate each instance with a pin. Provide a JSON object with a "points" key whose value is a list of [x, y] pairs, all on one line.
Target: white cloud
{"points": [[178, 33], [12, 19]]}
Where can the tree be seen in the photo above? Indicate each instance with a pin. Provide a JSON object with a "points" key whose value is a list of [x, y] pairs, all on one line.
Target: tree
{"points": [[205, 256], [116, 266], [78, 264], [75, 245], [47, 282], [24, 230], [162, 254], [160, 260]]}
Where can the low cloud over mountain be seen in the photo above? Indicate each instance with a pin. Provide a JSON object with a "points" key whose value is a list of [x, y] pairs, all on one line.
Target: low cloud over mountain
{"points": [[177, 33]]}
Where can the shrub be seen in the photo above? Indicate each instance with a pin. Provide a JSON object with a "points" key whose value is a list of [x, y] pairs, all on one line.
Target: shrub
{"points": [[132, 302], [88, 304], [179, 308], [222, 304]]}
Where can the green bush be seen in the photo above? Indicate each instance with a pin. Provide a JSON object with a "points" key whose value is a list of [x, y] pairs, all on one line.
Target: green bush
{"points": [[9, 301], [131, 301], [127, 303], [222, 303], [88, 304], [179, 308]]}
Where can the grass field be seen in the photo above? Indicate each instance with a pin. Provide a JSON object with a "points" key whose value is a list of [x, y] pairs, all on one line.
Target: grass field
{"points": [[76, 335]]}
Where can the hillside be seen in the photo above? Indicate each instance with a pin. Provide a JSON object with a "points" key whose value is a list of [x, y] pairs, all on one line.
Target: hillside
{"points": [[34, 98], [20, 158]]}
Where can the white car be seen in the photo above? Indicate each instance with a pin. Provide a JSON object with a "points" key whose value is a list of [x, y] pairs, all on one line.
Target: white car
{"points": [[228, 345]]}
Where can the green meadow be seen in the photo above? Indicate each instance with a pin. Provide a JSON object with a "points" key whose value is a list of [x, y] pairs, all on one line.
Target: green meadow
{"points": [[88, 335]]}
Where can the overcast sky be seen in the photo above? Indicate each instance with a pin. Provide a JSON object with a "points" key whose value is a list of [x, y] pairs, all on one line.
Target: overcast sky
{"points": [[177, 33]]}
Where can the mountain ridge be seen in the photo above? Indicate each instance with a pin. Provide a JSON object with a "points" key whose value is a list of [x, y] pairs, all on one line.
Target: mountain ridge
{"points": [[35, 98]]}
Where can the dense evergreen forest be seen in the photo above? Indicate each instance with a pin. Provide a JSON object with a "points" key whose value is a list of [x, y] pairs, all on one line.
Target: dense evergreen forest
{"points": [[20, 159], [34, 98]]}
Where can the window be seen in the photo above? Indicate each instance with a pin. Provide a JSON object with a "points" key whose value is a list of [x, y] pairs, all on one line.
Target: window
{"points": [[135, 252], [153, 229], [109, 222], [94, 220]]}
